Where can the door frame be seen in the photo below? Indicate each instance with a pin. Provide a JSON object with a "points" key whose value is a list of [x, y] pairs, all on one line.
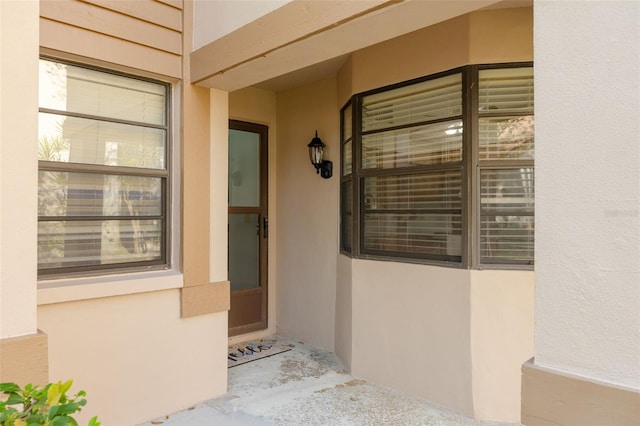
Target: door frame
{"points": [[263, 221]]}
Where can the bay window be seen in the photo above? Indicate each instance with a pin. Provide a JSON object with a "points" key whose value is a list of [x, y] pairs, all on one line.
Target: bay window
{"points": [[440, 169]]}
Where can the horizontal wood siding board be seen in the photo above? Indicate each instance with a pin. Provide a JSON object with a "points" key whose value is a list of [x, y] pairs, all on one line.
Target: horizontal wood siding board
{"points": [[114, 24], [66, 38], [173, 3], [145, 10]]}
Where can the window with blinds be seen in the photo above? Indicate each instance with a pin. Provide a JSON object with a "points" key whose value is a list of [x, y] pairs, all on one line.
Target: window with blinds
{"points": [[416, 156], [103, 171], [411, 153], [505, 165]]}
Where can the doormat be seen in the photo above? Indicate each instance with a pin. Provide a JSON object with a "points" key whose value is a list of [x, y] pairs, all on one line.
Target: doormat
{"points": [[242, 353]]}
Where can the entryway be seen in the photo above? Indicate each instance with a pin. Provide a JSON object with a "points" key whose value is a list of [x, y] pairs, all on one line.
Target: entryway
{"points": [[248, 226]]}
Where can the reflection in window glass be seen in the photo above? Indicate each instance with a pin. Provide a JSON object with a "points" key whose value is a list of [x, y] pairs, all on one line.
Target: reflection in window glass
{"points": [[103, 172]]}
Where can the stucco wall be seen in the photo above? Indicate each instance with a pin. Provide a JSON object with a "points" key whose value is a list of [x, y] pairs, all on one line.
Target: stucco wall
{"points": [[307, 214], [588, 189], [134, 356], [18, 167], [344, 310], [501, 340], [411, 330]]}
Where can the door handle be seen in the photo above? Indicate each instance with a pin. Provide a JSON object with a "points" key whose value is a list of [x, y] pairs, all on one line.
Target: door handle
{"points": [[265, 227]]}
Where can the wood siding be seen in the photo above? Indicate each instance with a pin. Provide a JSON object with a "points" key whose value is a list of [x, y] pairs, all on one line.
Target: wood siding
{"points": [[142, 34]]}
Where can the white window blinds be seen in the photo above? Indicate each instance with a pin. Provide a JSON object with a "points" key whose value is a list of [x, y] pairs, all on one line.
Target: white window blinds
{"points": [[506, 153], [103, 171]]}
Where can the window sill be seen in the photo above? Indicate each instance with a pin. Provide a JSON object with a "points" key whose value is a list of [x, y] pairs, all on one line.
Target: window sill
{"points": [[74, 289]]}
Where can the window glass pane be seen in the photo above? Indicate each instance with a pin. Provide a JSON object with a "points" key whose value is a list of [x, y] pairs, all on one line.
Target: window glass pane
{"points": [[506, 138], [506, 90], [87, 216], [415, 214], [429, 100], [244, 168], [88, 194], [347, 123], [75, 89], [244, 249], [435, 236], [80, 140], [88, 243], [432, 191], [347, 165], [346, 223], [507, 215], [415, 146]]}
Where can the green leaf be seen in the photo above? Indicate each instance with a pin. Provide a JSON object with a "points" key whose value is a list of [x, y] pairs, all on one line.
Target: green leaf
{"points": [[53, 411], [15, 398], [54, 393], [9, 387], [64, 421], [69, 408], [66, 386], [94, 421]]}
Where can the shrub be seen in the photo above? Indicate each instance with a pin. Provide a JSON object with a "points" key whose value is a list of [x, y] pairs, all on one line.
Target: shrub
{"points": [[35, 405]]}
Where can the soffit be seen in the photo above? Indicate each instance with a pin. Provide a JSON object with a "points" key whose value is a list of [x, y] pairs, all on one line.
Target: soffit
{"points": [[317, 44]]}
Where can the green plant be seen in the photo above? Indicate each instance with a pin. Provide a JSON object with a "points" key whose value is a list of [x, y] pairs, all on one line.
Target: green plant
{"points": [[35, 405]]}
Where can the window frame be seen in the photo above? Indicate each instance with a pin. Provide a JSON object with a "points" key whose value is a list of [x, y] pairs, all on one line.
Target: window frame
{"points": [[164, 175], [470, 166]]}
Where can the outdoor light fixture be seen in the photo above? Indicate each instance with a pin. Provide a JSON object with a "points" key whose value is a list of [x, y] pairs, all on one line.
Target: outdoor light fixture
{"points": [[316, 153]]}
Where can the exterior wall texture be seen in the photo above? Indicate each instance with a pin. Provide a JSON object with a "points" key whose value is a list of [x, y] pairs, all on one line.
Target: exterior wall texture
{"points": [[587, 355], [589, 214], [307, 214]]}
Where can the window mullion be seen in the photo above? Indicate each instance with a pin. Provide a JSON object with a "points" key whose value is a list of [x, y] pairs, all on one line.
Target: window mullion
{"points": [[357, 213], [471, 200]]}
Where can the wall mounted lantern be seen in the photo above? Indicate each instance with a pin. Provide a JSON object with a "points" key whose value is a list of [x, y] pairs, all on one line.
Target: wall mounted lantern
{"points": [[316, 154]]}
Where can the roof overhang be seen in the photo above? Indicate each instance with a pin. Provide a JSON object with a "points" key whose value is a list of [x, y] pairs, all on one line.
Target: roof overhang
{"points": [[304, 33]]}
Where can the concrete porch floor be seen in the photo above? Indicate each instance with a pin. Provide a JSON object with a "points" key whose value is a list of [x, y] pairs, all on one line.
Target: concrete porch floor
{"points": [[309, 386]]}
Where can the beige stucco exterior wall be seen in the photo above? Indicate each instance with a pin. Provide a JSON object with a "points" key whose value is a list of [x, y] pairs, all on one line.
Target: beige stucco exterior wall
{"points": [[259, 106], [412, 330], [501, 339], [134, 356], [18, 167], [344, 311], [589, 297], [23, 351], [307, 214]]}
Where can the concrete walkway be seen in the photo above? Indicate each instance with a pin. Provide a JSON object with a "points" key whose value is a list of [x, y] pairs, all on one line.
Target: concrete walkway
{"points": [[308, 386]]}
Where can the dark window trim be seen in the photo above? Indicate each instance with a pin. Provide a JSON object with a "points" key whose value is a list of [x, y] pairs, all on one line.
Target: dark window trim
{"points": [[470, 168]]}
